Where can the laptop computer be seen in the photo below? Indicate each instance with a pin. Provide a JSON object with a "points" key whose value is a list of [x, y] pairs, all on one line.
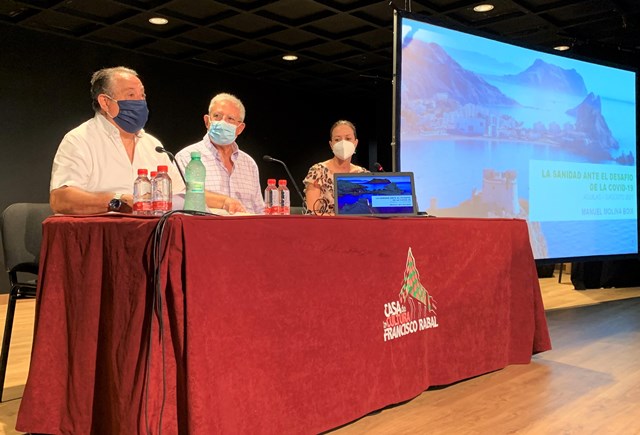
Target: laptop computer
{"points": [[375, 194]]}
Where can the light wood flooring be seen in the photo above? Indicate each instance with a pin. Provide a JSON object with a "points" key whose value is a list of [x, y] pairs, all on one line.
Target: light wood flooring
{"points": [[588, 384]]}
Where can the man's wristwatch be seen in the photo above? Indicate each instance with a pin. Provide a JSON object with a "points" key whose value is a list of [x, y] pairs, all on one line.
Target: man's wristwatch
{"points": [[116, 202]]}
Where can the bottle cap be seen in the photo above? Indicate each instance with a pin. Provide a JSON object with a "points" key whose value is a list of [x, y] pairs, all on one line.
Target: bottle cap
{"points": [[271, 181], [142, 171], [282, 182], [163, 168], [153, 174], [195, 155]]}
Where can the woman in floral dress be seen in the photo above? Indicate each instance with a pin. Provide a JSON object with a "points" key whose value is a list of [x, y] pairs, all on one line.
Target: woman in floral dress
{"points": [[319, 180]]}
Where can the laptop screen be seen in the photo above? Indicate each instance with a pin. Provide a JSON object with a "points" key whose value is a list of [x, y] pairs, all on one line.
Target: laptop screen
{"points": [[378, 194]]}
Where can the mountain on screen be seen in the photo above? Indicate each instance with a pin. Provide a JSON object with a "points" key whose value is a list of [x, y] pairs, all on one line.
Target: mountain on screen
{"points": [[591, 123], [435, 73], [543, 75]]}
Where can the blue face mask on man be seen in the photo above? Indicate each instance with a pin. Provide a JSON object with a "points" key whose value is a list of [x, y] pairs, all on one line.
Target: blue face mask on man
{"points": [[132, 115], [222, 133]]}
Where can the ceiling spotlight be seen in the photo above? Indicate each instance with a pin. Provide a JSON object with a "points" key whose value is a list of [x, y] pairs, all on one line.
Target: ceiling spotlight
{"points": [[159, 21], [485, 7], [562, 47], [290, 57]]}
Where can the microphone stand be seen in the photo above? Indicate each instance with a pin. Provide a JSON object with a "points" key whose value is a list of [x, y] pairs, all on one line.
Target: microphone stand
{"points": [[160, 149], [293, 181]]}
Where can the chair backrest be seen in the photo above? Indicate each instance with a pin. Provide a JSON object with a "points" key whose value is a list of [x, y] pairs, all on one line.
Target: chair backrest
{"points": [[22, 234]]}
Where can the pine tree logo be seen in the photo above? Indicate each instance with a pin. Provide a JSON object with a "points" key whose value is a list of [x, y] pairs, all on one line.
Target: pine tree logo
{"points": [[412, 288]]}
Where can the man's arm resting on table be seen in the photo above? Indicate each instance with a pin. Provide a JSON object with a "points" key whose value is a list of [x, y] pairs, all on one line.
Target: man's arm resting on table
{"points": [[73, 200], [216, 200]]}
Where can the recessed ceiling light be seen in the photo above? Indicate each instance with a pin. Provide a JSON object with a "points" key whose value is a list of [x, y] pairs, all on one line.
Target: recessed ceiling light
{"points": [[159, 21], [290, 57], [562, 47], [485, 7]]}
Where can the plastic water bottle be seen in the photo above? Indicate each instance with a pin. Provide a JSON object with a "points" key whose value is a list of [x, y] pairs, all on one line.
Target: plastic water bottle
{"points": [[195, 175], [271, 201], [284, 199], [161, 195], [142, 194]]}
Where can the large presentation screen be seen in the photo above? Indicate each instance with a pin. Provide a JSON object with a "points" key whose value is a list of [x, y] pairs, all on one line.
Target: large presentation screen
{"points": [[496, 130]]}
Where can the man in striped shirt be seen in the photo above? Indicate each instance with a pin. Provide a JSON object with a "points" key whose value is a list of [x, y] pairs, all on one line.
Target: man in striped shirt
{"points": [[230, 171]]}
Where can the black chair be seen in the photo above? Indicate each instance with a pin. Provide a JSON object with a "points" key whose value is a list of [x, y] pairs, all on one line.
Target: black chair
{"points": [[21, 239]]}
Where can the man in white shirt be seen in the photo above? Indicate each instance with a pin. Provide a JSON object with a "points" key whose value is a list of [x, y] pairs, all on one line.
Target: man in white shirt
{"points": [[230, 170], [97, 162]]}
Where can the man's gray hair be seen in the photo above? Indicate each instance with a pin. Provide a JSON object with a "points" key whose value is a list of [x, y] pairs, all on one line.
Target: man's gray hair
{"points": [[101, 83], [232, 99]]}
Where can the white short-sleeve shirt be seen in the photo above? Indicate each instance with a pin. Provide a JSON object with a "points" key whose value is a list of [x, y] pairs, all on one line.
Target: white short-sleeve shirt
{"points": [[92, 157]]}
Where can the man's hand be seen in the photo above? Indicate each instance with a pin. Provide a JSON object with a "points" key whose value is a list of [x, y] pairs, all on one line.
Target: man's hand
{"points": [[74, 200], [127, 203], [233, 206]]}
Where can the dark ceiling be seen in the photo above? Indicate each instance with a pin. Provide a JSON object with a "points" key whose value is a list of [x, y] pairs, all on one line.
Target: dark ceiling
{"points": [[339, 42]]}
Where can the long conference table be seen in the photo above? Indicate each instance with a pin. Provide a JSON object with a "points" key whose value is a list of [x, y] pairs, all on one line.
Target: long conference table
{"points": [[269, 324]]}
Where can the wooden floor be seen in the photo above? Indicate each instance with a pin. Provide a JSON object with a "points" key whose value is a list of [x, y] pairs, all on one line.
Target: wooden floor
{"points": [[588, 384]]}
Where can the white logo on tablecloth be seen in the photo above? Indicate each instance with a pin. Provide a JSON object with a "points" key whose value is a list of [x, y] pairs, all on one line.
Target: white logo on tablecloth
{"points": [[415, 309]]}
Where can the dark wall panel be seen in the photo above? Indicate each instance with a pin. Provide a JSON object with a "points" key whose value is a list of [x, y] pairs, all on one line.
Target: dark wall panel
{"points": [[44, 92]]}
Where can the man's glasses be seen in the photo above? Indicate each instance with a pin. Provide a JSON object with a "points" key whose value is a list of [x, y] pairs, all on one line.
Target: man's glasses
{"points": [[222, 117]]}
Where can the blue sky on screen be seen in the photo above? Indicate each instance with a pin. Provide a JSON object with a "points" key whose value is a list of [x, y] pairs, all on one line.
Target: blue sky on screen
{"points": [[481, 55]]}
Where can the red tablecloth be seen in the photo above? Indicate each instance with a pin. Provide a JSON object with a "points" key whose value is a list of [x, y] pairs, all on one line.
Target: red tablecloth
{"points": [[275, 325]]}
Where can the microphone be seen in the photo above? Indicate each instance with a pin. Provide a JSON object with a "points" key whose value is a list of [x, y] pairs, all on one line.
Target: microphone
{"points": [[377, 167], [293, 181], [160, 149]]}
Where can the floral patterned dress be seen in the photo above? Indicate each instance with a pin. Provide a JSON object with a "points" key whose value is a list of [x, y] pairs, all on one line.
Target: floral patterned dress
{"points": [[321, 177]]}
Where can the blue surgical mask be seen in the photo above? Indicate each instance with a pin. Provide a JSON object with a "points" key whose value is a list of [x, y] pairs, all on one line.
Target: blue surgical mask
{"points": [[132, 115], [222, 133]]}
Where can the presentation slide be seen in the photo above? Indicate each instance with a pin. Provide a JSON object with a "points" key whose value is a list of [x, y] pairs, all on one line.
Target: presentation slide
{"points": [[388, 194], [491, 129]]}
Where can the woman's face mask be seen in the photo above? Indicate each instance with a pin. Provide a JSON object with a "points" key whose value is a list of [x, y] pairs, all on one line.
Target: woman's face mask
{"points": [[344, 149]]}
